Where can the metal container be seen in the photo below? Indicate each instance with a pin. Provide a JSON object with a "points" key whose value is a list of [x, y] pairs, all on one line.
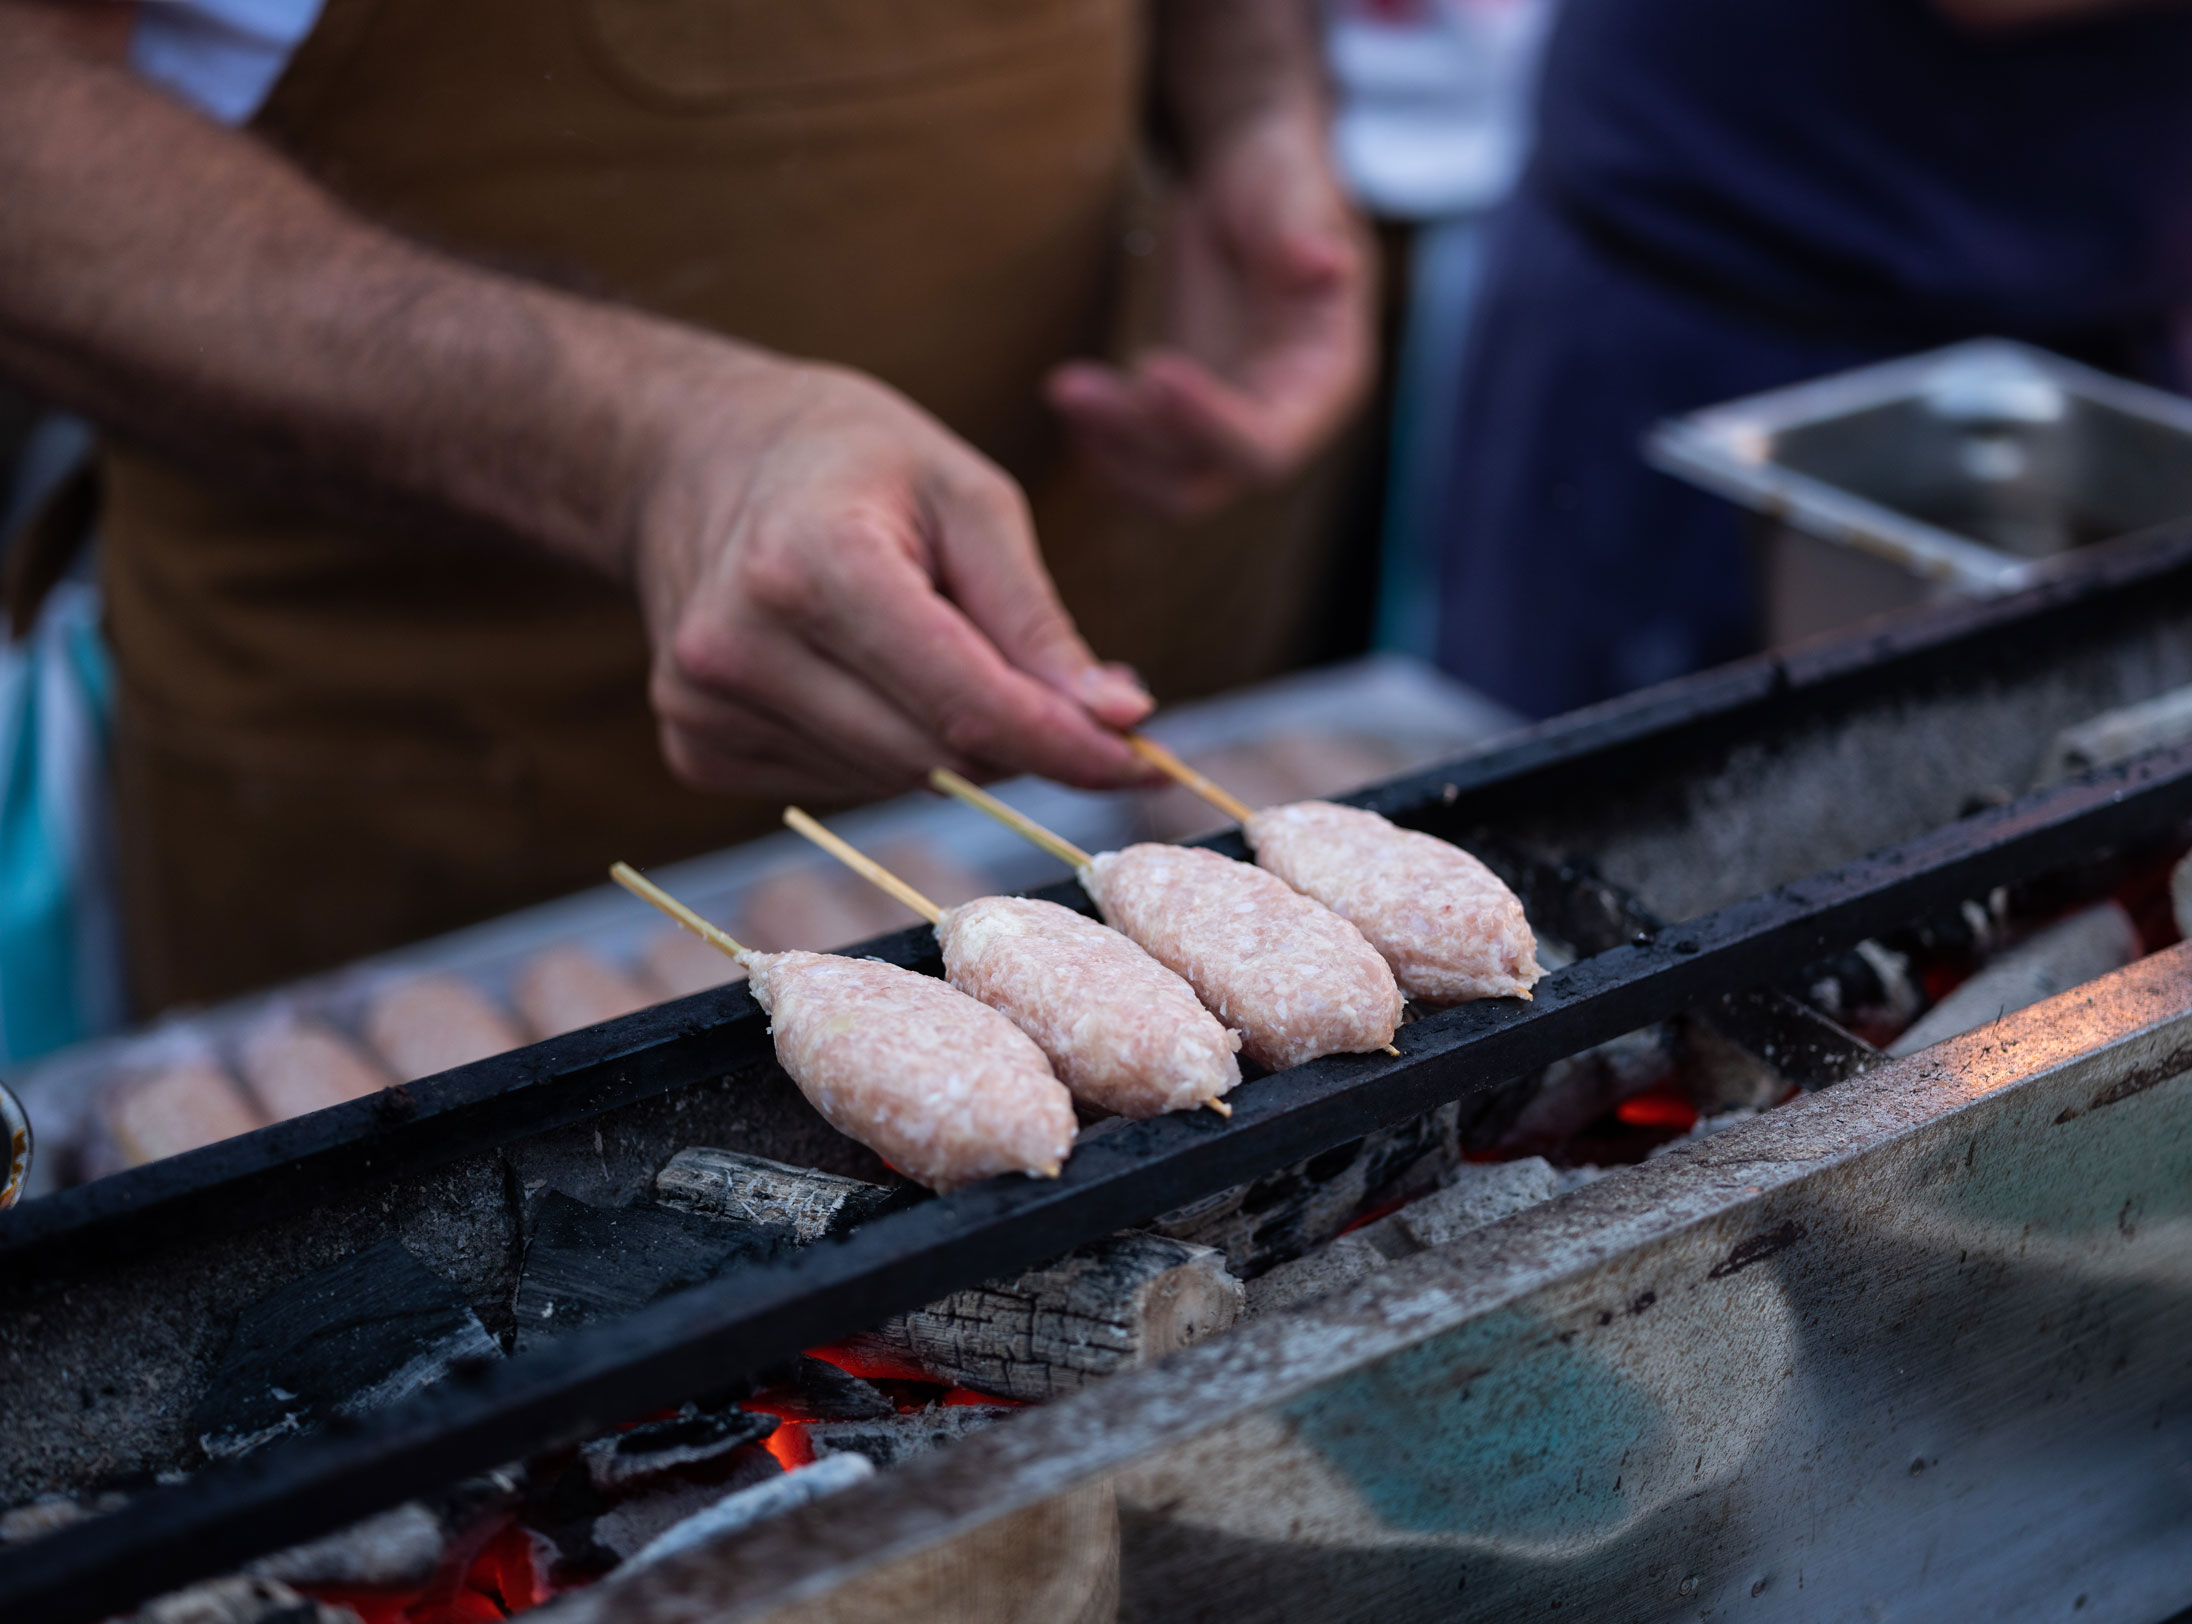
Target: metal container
{"points": [[1963, 472], [15, 1148]]}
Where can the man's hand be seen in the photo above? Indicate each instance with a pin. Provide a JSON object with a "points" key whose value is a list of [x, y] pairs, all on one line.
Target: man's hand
{"points": [[842, 595], [1267, 347]]}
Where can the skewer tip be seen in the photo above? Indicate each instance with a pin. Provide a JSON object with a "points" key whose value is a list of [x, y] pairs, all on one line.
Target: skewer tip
{"points": [[1389, 1049], [1219, 1106]]}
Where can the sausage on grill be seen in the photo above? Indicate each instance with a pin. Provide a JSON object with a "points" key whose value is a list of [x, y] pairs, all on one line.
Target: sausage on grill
{"points": [[1292, 977], [943, 1088], [1448, 926], [1122, 1032], [434, 1023]]}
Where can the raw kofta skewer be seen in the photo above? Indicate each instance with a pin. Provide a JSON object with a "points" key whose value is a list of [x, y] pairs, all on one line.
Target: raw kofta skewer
{"points": [[943, 1088], [1293, 978], [1122, 1032], [1450, 928]]}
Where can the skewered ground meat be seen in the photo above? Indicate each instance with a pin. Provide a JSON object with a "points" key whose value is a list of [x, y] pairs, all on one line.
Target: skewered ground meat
{"points": [[565, 988], [293, 1066], [1295, 979], [433, 1023], [944, 1089], [1122, 1032], [178, 1109], [1448, 926]]}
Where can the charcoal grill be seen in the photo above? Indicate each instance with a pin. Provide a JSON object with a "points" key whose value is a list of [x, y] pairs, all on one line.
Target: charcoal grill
{"points": [[1776, 812]]}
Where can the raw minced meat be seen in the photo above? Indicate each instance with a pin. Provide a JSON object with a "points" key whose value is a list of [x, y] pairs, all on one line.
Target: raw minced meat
{"points": [[1122, 1032], [944, 1089], [1448, 926], [1295, 979]]}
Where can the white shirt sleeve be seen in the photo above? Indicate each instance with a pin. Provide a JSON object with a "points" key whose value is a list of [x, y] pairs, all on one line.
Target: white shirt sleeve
{"points": [[220, 56]]}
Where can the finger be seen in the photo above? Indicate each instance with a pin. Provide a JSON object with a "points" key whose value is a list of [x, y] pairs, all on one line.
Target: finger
{"points": [[987, 563], [879, 617], [782, 700]]}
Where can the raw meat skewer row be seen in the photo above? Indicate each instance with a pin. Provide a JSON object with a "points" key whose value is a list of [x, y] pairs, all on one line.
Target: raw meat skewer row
{"points": [[1293, 978], [1448, 925], [943, 1088], [1122, 1032]]}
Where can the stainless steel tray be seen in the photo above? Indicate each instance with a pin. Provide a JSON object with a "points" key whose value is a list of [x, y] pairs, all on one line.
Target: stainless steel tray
{"points": [[1970, 470]]}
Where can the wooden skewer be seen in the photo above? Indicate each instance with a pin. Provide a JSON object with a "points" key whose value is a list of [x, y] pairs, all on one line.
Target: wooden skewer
{"points": [[1188, 778], [863, 865], [649, 892], [950, 783]]}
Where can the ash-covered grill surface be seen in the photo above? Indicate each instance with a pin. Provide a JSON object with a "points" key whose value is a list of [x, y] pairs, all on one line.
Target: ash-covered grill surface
{"points": [[119, 1300]]}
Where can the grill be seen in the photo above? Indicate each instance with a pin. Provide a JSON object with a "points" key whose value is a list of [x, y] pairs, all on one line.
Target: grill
{"points": [[1778, 812]]}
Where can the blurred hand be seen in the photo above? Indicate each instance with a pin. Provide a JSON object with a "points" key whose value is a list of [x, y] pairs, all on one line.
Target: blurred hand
{"points": [[1268, 344], [842, 595]]}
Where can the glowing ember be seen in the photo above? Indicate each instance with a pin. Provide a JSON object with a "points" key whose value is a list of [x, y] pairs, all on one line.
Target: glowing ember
{"points": [[508, 1575]]}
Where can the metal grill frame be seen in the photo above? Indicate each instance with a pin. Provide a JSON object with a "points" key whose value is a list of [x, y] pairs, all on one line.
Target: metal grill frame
{"points": [[748, 1321]]}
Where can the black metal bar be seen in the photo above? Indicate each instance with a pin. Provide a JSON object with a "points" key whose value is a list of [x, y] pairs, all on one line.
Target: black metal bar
{"points": [[701, 1338], [293, 1166]]}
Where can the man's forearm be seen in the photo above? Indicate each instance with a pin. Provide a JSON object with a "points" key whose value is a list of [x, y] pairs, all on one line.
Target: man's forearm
{"points": [[1225, 65], [184, 285]]}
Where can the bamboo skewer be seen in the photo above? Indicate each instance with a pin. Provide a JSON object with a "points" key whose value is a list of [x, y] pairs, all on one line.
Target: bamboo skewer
{"points": [[1188, 778], [950, 783], [649, 892], [863, 865]]}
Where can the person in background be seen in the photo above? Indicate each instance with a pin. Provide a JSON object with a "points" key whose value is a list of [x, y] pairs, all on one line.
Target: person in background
{"points": [[1430, 130], [545, 434], [1728, 196]]}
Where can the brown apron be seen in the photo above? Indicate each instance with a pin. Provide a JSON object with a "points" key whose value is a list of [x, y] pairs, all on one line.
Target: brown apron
{"points": [[333, 740]]}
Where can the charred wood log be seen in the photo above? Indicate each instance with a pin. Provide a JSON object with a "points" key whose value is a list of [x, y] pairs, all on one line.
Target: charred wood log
{"points": [[887, 1441], [754, 1190], [1121, 1302], [1287, 1213]]}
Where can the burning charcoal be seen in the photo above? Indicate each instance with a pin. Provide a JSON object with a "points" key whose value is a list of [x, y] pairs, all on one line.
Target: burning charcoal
{"points": [[1287, 1213], [837, 1395], [620, 1461], [1335, 1264], [1121, 1302], [240, 1600], [887, 1442], [1475, 1194], [2065, 955], [1575, 1092], [397, 1550], [757, 1505], [590, 1263], [726, 1184], [361, 1333]]}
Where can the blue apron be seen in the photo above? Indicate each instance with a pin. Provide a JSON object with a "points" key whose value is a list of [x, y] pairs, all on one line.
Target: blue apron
{"points": [[1732, 195]]}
